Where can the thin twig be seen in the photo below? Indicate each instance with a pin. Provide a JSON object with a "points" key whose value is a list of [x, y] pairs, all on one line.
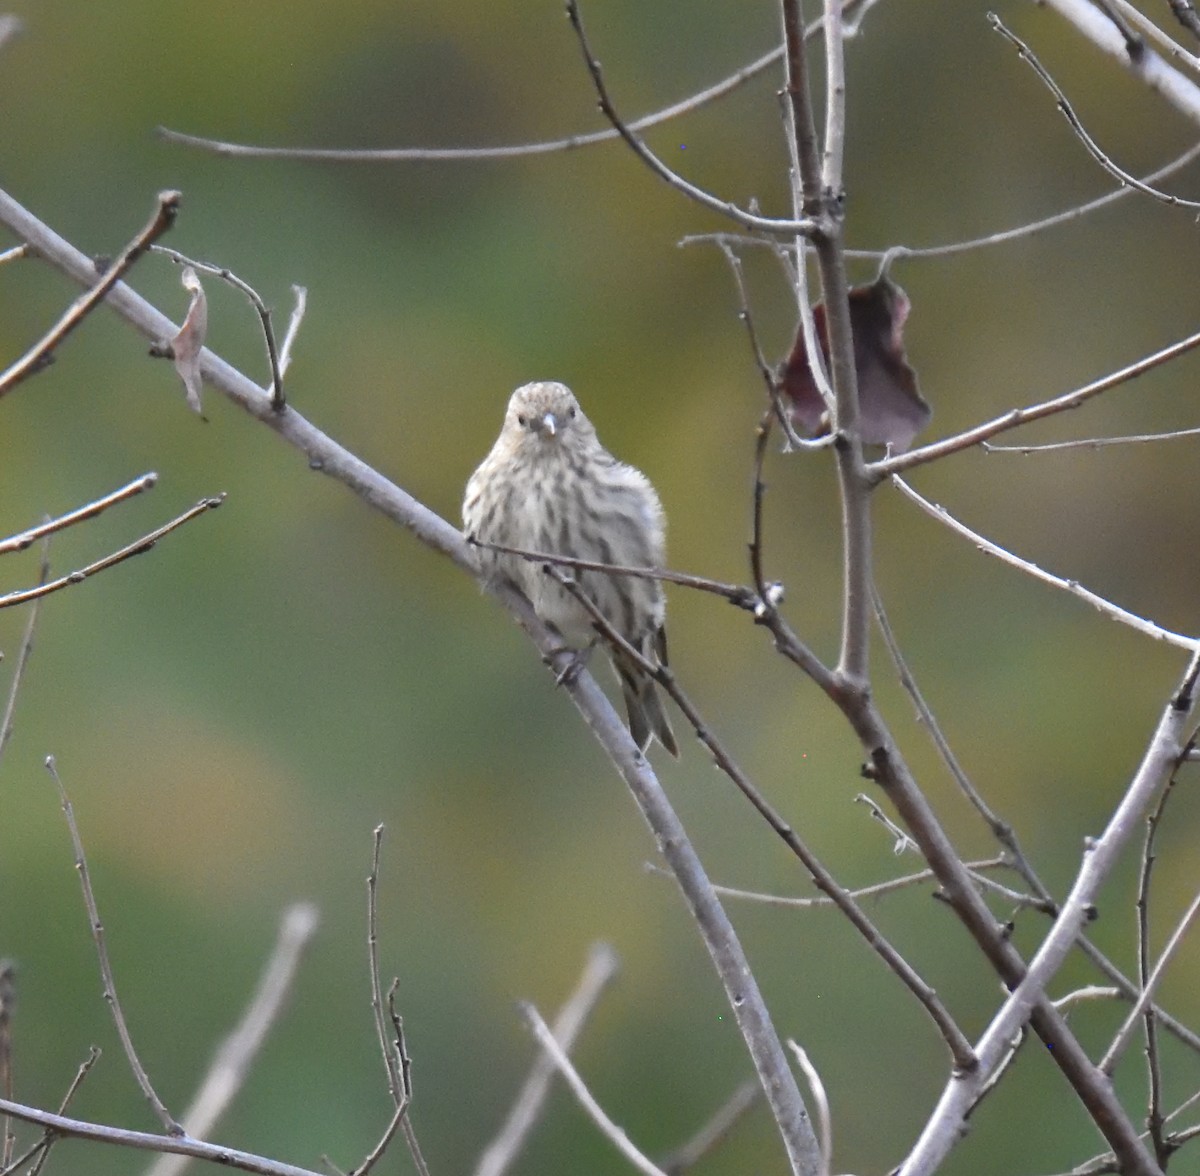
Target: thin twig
{"points": [[40, 354], [971, 244], [232, 1061], [1004, 833], [820, 1101], [227, 1157], [766, 373], [1077, 126], [376, 1154], [15, 253], [42, 1147], [875, 890], [110, 988], [1114, 611], [736, 594], [278, 399], [723, 1121], [385, 1044], [396, 1061], [23, 655], [1154, 1120], [598, 971], [406, 1086], [1125, 1034], [726, 208], [475, 154], [1091, 442], [138, 547], [562, 1063], [300, 293], [1021, 416], [81, 514], [8, 996]]}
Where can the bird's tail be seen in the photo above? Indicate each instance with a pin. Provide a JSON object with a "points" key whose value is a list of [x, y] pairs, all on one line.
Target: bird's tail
{"points": [[643, 705]]}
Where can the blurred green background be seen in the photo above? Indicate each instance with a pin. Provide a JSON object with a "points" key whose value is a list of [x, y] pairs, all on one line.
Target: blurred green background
{"points": [[235, 712]]}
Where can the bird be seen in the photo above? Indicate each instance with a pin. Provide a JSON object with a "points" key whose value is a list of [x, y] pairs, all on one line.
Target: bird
{"points": [[548, 485]]}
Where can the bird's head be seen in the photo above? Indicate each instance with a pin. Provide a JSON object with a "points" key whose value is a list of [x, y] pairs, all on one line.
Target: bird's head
{"points": [[545, 411]]}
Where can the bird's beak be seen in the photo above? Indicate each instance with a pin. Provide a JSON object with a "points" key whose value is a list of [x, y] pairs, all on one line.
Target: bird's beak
{"points": [[548, 424]]}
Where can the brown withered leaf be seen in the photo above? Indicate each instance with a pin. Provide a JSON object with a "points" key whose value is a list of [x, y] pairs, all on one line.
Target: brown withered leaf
{"points": [[892, 410], [187, 345]]}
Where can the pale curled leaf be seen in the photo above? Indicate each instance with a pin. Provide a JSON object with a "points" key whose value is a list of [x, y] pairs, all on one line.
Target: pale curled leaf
{"points": [[187, 345]]}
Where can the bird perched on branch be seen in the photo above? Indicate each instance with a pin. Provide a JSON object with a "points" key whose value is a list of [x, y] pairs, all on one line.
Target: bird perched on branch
{"points": [[549, 486]]}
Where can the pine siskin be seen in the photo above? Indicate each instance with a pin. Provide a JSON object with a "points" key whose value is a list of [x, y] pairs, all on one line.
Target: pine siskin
{"points": [[549, 485]]}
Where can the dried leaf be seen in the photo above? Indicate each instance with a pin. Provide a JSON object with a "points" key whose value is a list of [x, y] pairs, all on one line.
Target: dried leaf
{"points": [[891, 408], [186, 346]]}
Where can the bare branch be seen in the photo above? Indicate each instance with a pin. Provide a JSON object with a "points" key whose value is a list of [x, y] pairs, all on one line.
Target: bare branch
{"points": [[110, 988], [1125, 1033], [87, 511], [1185, 13], [14, 688], [944, 1125], [970, 245], [232, 1061], [598, 971], [300, 293], [1034, 412], [227, 1157], [1148, 66], [1115, 612], [1092, 442], [1077, 126], [820, 1100], [727, 1116], [475, 154], [406, 1090], [562, 1063], [8, 995], [42, 352], [746, 219], [139, 547], [875, 890], [736, 594], [390, 1062]]}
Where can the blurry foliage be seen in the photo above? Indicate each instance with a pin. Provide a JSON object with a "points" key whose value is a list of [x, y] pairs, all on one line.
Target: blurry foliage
{"points": [[235, 712]]}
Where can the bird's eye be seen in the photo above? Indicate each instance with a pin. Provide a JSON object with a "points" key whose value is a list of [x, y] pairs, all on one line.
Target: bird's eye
{"points": [[571, 412], [522, 421]]}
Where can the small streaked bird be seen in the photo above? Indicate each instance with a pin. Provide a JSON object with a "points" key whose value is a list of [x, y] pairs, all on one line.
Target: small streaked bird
{"points": [[548, 485]]}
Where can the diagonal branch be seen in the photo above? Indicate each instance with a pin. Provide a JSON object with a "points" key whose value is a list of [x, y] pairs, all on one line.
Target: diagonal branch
{"points": [[1149, 628], [1034, 412], [1162, 754], [232, 1061], [42, 352], [748, 220], [87, 511], [598, 971], [110, 988], [138, 547]]}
